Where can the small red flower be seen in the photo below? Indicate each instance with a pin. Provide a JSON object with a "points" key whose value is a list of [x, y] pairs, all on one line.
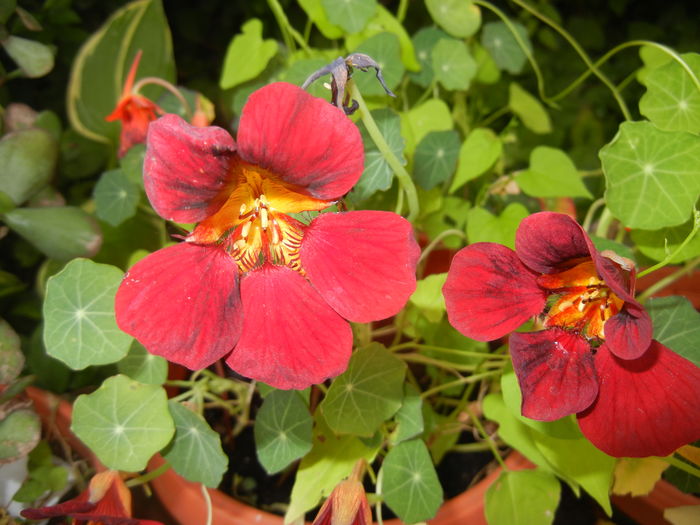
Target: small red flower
{"points": [[253, 281], [347, 505], [595, 356], [106, 501], [135, 111]]}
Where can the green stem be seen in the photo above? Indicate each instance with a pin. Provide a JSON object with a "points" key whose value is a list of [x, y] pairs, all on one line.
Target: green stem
{"points": [[167, 85], [148, 476], [663, 283], [670, 256], [682, 465], [450, 351], [489, 440], [494, 116], [289, 34], [402, 175], [437, 240], [591, 213], [582, 53], [447, 365], [461, 381], [401, 11], [523, 46], [604, 222]]}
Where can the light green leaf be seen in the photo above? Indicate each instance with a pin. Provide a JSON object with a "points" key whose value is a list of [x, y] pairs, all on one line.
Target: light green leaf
{"points": [[652, 57], [676, 325], [79, 324], [423, 43], [411, 486], [487, 70], [530, 111], [653, 176], [314, 9], [551, 174], [453, 66], [331, 459], [11, 356], [672, 101], [61, 233], [143, 366], [522, 497], [282, 430], [435, 158], [102, 64], [428, 296], [19, 434], [499, 41], [384, 48], [378, 175], [195, 453], [247, 55], [409, 418], [28, 159], [657, 244], [478, 153], [33, 58], [460, 18], [351, 15], [124, 422], [483, 226], [116, 197], [369, 392], [432, 115]]}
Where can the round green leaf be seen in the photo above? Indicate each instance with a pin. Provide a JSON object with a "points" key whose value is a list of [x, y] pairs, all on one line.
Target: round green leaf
{"points": [[522, 497], [435, 158], [412, 489], [460, 18], [11, 356], [423, 43], [28, 159], [143, 366], [124, 422], [551, 174], [672, 101], [195, 453], [478, 153], [247, 55], [432, 115], [367, 393], [409, 418], [483, 226], [79, 327], [653, 176], [453, 66], [19, 433], [676, 325], [499, 41], [116, 197], [351, 15], [657, 244], [61, 232], [384, 48], [528, 108], [34, 58], [282, 430], [428, 296]]}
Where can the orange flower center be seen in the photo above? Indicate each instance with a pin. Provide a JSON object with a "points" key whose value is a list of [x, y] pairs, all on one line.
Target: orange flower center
{"points": [[254, 224], [584, 301]]}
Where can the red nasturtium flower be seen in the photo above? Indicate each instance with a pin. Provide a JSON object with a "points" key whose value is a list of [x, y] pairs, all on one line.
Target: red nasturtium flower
{"points": [[106, 501], [595, 356], [135, 111], [253, 282]]}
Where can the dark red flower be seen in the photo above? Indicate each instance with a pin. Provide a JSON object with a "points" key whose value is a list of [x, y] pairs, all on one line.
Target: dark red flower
{"points": [[254, 282], [134, 111], [106, 501], [595, 356]]}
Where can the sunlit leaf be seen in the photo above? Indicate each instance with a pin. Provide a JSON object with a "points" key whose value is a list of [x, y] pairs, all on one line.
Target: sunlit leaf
{"points": [[116, 197], [460, 18], [676, 325], [530, 111], [124, 422], [453, 65], [478, 153], [522, 497], [432, 115], [314, 9], [247, 55], [428, 296], [195, 452], [79, 324], [483, 226], [653, 176], [499, 41], [282, 430], [435, 158], [351, 15], [551, 174]]}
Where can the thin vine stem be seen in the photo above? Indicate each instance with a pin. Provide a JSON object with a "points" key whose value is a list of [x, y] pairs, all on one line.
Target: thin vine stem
{"points": [[402, 175], [487, 438], [663, 283], [433, 244], [682, 465], [449, 351], [461, 381], [669, 257], [148, 476], [167, 85], [283, 24], [591, 213], [582, 53]]}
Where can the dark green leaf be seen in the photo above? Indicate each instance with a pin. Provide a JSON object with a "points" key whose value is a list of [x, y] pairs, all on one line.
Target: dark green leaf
{"points": [[499, 41], [435, 158], [11, 357], [423, 42], [28, 159], [453, 65], [116, 197], [34, 58], [385, 49], [676, 325], [143, 366]]}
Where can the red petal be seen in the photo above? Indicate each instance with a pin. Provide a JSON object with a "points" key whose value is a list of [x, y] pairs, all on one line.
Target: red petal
{"points": [[183, 303], [555, 371], [489, 292], [67, 508], [647, 406], [547, 239], [186, 168], [303, 139], [628, 334], [291, 337], [363, 263]]}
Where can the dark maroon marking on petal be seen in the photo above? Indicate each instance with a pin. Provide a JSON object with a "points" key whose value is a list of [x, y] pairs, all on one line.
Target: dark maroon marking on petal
{"points": [[186, 168], [363, 263], [645, 407], [555, 371], [67, 508], [303, 139], [547, 241], [489, 292]]}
